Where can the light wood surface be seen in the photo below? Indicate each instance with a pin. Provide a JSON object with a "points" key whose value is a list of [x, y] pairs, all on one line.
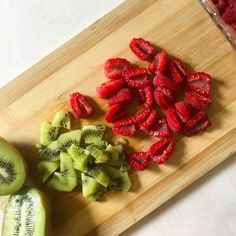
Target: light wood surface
{"points": [[185, 30]]}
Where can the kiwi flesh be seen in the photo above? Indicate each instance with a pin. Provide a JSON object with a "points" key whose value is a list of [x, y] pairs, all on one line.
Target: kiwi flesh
{"points": [[98, 153], [93, 133], [48, 133], [47, 168], [79, 157], [65, 180], [61, 120], [89, 185], [25, 213], [12, 169], [50, 152], [67, 139], [113, 152]]}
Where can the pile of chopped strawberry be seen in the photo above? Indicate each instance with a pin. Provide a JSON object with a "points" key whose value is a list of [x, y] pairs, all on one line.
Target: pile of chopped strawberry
{"points": [[157, 87]]}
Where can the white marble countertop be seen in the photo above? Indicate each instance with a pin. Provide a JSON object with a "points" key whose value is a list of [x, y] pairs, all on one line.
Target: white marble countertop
{"points": [[29, 30]]}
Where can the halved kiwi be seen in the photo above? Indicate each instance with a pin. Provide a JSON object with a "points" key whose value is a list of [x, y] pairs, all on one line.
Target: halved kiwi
{"points": [[62, 119], [47, 168], [98, 153], [48, 133], [93, 133], [25, 213], [89, 185], [12, 169], [50, 152]]}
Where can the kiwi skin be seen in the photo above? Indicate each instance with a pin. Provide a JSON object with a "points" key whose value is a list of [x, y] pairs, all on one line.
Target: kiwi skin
{"points": [[20, 158]]}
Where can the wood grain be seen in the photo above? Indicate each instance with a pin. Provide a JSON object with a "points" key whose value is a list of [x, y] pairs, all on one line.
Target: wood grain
{"points": [[185, 30]]}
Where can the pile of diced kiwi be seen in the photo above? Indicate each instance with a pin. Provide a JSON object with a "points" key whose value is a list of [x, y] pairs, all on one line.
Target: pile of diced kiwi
{"points": [[81, 158]]}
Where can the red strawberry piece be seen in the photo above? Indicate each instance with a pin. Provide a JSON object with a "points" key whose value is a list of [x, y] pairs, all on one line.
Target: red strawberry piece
{"points": [[229, 16], [141, 116], [163, 97], [233, 26], [199, 83], [183, 111], [145, 96], [172, 120], [220, 5], [199, 122], [141, 96], [109, 88], [115, 112], [177, 69], [160, 128], [80, 106], [123, 96], [125, 127], [162, 149], [159, 63], [164, 82], [145, 125], [139, 160], [141, 48], [114, 67], [136, 78], [197, 101]]}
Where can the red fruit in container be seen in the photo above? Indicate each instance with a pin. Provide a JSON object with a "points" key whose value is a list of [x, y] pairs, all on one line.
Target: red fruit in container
{"points": [[158, 65], [80, 106], [139, 160], [109, 88], [162, 149], [183, 111], [177, 69], [114, 67], [145, 96], [229, 16], [199, 122], [136, 78], [125, 127], [123, 96], [163, 97], [160, 128], [163, 81], [143, 49], [220, 5], [233, 26], [114, 113], [172, 120]]}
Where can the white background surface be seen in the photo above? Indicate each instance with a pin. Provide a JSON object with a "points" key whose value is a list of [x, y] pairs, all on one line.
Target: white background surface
{"points": [[30, 29]]}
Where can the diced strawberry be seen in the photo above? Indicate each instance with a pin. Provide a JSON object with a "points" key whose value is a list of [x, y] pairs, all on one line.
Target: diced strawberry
{"points": [[143, 49], [138, 160], [172, 120], [162, 149], [124, 127], [158, 65], [183, 111], [114, 113], [163, 97], [110, 88], [145, 96], [146, 124], [141, 116], [123, 96], [160, 128], [164, 82]]}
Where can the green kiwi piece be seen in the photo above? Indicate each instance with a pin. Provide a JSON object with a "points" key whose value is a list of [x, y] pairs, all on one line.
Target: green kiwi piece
{"points": [[99, 174], [50, 152], [48, 133], [67, 139], [101, 143], [98, 153], [65, 180], [93, 133], [79, 157], [26, 213], [47, 168], [89, 185], [119, 181], [113, 152], [61, 120], [12, 169], [98, 195]]}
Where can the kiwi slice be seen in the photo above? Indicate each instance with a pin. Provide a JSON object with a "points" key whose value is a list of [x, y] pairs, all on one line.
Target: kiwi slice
{"points": [[99, 174], [25, 213], [50, 152], [48, 133], [12, 169], [98, 153], [67, 139], [65, 180], [113, 152], [79, 157], [62, 119], [47, 168], [101, 143], [93, 133], [89, 185], [119, 181], [98, 195]]}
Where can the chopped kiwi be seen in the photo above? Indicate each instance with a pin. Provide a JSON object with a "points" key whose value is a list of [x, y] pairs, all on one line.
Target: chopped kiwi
{"points": [[99, 174], [79, 157], [89, 185], [47, 168], [93, 133], [98, 195], [67, 139], [65, 180], [62, 119], [101, 143], [12, 169], [50, 152], [98, 153], [48, 133], [25, 213], [113, 152]]}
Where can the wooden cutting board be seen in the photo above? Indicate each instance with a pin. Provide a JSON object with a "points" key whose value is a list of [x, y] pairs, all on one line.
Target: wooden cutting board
{"points": [[185, 30]]}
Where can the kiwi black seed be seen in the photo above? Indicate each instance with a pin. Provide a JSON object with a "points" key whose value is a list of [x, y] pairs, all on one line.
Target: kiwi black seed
{"points": [[50, 152]]}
